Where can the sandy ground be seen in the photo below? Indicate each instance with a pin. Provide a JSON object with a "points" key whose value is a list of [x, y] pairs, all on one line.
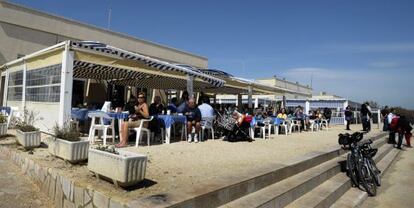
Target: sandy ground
{"points": [[397, 184], [16, 189], [189, 165]]}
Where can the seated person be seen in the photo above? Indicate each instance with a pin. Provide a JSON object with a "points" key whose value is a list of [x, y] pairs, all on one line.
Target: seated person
{"points": [[155, 109], [205, 108], [193, 115], [282, 114], [240, 130], [183, 104], [129, 106], [141, 112], [172, 106]]}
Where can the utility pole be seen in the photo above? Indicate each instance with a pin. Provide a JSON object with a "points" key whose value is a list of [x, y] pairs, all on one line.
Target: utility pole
{"points": [[109, 17]]}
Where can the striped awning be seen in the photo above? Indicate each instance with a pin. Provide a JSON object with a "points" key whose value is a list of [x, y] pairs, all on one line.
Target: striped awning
{"points": [[295, 103], [326, 104], [120, 76], [151, 63]]}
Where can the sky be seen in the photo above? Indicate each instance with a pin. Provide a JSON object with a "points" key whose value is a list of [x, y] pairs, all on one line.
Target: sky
{"points": [[358, 49]]}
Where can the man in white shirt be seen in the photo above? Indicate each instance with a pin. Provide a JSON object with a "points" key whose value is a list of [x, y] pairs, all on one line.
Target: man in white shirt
{"points": [[206, 109], [391, 137]]}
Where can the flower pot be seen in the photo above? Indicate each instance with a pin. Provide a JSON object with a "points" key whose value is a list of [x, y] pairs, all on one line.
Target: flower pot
{"points": [[28, 139], [3, 128], [124, 169], [68, 150]]}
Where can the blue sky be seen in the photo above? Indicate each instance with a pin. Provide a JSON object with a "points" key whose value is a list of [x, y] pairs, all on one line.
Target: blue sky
{"points": [[359, 49]]}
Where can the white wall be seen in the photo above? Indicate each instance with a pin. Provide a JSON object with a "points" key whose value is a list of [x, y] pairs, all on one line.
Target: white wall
{"points": [[47, 112]]}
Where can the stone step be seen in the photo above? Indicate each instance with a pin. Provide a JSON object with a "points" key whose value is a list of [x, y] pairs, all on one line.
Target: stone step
{"points": [[355, 197], [284, 192], [229, 189], [331, 190]]}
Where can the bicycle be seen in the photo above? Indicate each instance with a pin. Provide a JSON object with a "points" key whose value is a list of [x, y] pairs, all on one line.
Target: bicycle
{"points": [[360, 166]]}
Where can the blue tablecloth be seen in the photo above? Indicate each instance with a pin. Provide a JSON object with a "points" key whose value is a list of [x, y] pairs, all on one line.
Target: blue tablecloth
{"points": [[171, 119], [120, 115], [274, 120], [5, 109], [80, 114]]}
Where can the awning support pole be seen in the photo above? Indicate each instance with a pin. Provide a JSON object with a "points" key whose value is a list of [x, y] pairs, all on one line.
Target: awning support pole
{"points": [[250, 97], [66, 87], [190, 88]]}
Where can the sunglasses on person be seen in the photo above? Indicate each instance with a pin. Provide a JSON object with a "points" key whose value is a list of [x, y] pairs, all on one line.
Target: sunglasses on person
{"points": [[140, 97]]}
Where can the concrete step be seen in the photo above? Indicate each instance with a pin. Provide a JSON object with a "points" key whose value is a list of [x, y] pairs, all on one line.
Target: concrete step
{"points": [[214, 195], [284, 192], [355, 197], [331, 190]]}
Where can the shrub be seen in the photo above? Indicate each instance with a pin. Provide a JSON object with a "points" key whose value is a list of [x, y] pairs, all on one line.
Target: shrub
{"points": [[25, 122], [66, 132], [3, 118]]}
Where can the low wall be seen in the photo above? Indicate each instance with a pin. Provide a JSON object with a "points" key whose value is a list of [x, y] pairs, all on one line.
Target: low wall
{"points": [[61, 190]]}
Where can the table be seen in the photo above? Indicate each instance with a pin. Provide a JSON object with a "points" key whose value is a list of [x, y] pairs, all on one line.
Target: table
{"points": [[169, 120], [121, 116]]}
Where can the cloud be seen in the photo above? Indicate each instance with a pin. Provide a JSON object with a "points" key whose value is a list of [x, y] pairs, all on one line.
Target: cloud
{"points": [[384, 64]]}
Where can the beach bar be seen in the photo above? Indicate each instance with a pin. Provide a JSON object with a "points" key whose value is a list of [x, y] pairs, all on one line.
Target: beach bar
{"points": [[43, 81]]}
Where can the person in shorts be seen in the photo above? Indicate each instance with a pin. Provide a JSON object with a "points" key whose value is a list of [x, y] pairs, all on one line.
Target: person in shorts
{"points": [[193, 115], [141, 112]]}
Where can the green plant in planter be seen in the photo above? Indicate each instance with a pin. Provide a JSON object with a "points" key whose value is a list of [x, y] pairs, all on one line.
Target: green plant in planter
{"points": [[66, 132], [25, 123], [3, 118], [110, 149]]}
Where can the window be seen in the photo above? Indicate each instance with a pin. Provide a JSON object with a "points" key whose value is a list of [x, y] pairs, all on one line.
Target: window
{"points": [[43, 85], [15, 88]]}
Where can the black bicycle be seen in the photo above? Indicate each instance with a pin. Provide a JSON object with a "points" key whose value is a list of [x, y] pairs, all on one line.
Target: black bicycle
{"points": [[360, 166]]}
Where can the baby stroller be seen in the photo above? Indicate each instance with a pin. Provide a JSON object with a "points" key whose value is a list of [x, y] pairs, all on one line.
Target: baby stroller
{"points": [[232, 131]]}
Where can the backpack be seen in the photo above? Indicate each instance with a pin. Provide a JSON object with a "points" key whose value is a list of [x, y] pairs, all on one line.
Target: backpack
{"points": [[394, 124]]}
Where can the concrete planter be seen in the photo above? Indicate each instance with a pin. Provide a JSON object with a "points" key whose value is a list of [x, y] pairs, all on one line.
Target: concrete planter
{"points": [[28, 139], [3, 128], [124, 169], [68, 150]]}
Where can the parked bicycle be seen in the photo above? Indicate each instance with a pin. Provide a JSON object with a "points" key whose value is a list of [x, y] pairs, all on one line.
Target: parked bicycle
{"points": [[360, 165]]}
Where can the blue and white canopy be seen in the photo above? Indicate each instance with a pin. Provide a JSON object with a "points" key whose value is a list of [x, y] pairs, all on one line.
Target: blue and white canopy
{"points": [[124, 76]]}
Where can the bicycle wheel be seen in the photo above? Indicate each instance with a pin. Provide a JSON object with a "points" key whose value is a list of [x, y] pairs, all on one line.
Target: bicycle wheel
{"points": [[375, 171], [351, 170], [366, 178]]}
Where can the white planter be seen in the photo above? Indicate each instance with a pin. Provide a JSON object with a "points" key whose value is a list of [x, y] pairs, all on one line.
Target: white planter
{"points": [[124, 169], [3, 128], [70, 151], [28, 139]]}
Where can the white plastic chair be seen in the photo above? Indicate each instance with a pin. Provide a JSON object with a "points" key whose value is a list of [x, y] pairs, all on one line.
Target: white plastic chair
{"points": [[324, 122], [207, 124], [314, 125], [267, 126], [294, 124], [141, 129], [284, 126], [100, 126]]}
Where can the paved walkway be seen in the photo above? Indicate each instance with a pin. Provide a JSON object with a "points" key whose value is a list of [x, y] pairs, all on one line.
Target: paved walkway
{"points": [[397, 185], [16, 189]]}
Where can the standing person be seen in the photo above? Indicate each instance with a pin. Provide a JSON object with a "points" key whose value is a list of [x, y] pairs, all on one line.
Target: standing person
{"points": [[369, 117], [141, 112], [327, 113], [390, 117], [364, 117], [193, 115], [384, 114], [406, 128], [348, 116]]}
